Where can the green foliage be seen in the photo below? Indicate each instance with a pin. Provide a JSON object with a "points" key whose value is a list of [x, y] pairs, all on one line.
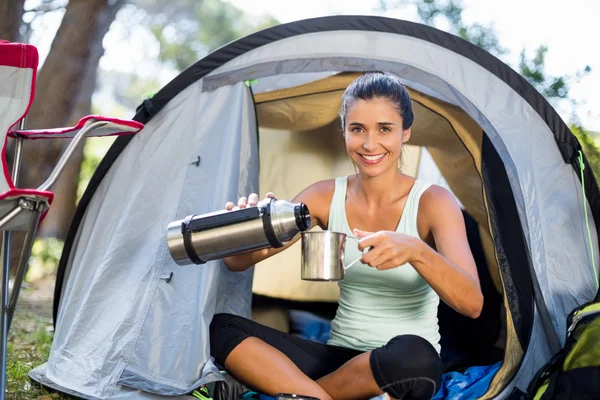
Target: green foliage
{"points": [[590, 143], [477, 34], [93, 151], [45, 255], [187, 30], [430, 10], [533, 71]]}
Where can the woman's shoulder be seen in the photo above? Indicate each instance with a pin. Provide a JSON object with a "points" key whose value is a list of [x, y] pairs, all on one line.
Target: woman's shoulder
{"points": [[317, 198], [319, 192], [435, 202], [433, 193], [435, 207]]}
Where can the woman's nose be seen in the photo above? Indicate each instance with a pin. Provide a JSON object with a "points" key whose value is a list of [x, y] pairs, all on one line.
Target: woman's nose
{"points": [[369, 143]]}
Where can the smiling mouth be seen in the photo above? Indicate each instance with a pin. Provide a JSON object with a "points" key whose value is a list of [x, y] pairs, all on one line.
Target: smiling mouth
{"points": [[372, 159]]}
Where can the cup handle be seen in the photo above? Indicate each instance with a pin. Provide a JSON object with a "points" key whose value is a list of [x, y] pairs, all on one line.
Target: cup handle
{"points": [[358, 259]]}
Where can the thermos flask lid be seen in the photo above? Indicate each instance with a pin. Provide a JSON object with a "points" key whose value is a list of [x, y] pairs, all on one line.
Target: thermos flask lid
{"points": [[302, 216]]}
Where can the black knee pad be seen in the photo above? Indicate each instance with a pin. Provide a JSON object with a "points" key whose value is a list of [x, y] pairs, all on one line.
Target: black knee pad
{"points": [[407, 367]]}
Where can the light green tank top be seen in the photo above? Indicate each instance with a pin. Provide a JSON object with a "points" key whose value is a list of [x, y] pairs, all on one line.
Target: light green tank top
{"points": [[375, 306]]}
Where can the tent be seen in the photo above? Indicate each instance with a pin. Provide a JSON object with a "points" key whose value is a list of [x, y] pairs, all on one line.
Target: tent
{"points": [[261, 114]]}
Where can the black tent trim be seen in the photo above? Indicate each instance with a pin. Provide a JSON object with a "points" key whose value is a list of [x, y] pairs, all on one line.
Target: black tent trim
{"points": [[565, 140]]}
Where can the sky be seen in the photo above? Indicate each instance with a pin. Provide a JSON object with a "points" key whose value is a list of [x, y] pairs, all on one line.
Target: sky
{"points": [[569, 29]]}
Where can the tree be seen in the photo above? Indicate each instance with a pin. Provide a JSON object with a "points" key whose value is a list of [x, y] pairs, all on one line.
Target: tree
{"points": [[58, 219], [64, 87], [12, 12], [62, 91], [429, 10], [187, 30]]}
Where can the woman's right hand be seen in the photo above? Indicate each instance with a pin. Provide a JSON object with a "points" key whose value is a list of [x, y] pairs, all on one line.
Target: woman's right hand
{"points": [[244, 202], [240, 261]]}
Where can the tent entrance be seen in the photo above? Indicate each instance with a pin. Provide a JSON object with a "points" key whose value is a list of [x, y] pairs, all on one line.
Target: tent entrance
{"points": [[301, 142]]}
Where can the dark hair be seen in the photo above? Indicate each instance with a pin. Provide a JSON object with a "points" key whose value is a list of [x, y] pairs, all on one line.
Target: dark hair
{"points": [[379, 85]]}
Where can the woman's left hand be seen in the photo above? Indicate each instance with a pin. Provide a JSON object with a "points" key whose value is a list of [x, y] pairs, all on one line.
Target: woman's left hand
{"points": [[388, 249]]}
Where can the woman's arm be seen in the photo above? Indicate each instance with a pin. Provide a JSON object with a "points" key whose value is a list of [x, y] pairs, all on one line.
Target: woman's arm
{"points": [[317, 198], [451, 270]]}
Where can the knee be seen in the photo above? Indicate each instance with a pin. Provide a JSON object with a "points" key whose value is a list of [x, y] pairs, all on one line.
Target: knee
{"points": [[408, 366], [225, 331], [418, 355], [222, 321]]}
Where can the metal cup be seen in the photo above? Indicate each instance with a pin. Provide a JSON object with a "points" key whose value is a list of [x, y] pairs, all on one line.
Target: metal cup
{"points": [[323, 255]]}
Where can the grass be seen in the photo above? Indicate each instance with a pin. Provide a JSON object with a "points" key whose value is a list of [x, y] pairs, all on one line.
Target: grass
{"points": [[29, 344]]}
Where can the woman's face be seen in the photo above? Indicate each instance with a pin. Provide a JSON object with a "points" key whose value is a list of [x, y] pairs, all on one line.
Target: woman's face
{"points": [[374, 135]]}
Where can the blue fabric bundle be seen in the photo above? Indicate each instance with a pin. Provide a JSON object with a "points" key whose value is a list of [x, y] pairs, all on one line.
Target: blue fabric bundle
{"points": [[472, 384], [310, 326]]}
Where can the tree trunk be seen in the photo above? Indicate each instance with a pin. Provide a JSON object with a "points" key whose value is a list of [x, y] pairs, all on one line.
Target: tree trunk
{"points": [[59, 217], [63, 91], [12, 17], [65, 85]]}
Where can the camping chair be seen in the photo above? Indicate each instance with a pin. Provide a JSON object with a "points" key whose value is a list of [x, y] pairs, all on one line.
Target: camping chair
{"points": [[24, 209]]}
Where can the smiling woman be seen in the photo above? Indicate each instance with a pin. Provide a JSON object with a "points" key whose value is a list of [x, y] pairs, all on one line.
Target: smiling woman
{"points": [[376, 117], [385, 336]]}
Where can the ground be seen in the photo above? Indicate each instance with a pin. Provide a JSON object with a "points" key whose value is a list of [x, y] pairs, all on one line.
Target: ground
{"points": [[29, 340]]}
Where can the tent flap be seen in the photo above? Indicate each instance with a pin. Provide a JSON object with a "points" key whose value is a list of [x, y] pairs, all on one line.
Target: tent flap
{"points": [[119, 322]]}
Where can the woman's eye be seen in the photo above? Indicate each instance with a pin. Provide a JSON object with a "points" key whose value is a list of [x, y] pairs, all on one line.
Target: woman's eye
{"points": [[356, 130], [385, 129]]}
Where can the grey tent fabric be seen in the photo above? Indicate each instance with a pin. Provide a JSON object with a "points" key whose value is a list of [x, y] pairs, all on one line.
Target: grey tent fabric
{"points": [[123, 393], [123, 323], [122, 328]]}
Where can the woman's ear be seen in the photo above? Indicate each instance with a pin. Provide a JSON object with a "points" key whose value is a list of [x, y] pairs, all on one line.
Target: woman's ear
{"points": [[406, 135]]}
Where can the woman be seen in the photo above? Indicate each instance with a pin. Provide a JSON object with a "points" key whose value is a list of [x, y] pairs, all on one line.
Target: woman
{"points": [[384, 337]]}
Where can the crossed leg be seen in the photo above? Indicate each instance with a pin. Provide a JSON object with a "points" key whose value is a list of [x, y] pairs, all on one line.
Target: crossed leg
{"points": [[273, 362]]}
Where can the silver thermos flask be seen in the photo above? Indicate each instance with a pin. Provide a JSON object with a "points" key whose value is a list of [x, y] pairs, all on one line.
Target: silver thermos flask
{"points": [[200, 238]]}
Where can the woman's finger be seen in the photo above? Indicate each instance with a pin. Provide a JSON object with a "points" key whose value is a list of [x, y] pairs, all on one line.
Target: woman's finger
{"points": [[367, 241], [386, 264], [242, 202], [252, 199], [382, 260], [270, 195], [229, 205], [371, 255]]}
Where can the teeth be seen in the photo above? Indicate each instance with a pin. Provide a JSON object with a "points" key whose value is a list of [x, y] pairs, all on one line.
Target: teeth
{"points": [[372, 158]]}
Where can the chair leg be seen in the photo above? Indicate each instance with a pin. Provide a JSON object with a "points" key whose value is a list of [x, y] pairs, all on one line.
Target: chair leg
{"points": [[23, 263], [4, 317], [36, 209]]}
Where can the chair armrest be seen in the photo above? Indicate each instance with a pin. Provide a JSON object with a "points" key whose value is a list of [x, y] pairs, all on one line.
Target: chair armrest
{"points": [[114, 127], [106, 125]]}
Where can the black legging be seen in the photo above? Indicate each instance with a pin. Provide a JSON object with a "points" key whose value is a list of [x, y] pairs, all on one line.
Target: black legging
{"points": [[407, 367]]}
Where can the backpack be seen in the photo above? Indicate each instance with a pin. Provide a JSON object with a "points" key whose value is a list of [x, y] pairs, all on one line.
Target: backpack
{"points": [[574, 371]]}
